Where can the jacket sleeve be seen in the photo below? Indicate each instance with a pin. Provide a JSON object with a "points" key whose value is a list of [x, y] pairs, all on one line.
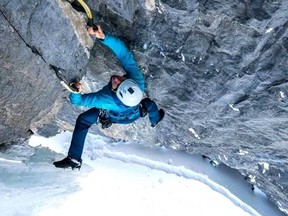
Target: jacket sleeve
{"points": [[97, 99], [126, 59]]}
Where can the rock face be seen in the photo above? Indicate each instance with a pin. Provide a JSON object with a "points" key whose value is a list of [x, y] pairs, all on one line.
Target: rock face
{"points": [[34, 36], [218, 68], [26, 84]]}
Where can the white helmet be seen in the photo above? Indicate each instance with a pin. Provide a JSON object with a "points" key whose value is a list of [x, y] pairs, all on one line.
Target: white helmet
{"points": [[129, 93]]}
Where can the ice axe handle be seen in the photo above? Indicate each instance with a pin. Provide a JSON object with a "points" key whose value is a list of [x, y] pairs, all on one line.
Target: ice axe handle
{"points": [[68, 87]]}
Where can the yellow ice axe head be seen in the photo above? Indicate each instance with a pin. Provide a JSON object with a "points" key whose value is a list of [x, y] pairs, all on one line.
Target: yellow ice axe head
{"points": [[86, 8]]}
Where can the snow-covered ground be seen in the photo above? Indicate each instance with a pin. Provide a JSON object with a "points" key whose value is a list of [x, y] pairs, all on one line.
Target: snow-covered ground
{"points": [[121, 179]]}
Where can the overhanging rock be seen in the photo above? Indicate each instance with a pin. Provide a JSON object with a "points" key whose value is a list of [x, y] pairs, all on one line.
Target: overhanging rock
{"points": [[53, 30]]}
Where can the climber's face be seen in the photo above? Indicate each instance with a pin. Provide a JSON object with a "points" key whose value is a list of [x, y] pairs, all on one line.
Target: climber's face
{"points": [[116, 80]]}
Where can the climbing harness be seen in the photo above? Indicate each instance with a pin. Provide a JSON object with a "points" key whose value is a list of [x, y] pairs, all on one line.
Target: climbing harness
{"points": [[104, 118]]}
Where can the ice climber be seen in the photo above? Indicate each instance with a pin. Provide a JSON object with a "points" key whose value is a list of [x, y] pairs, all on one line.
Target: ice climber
{"points": [[121, 101]]}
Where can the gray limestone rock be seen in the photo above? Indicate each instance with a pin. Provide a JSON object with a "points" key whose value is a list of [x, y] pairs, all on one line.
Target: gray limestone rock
{"points": [[28, 88], [218, 68]]}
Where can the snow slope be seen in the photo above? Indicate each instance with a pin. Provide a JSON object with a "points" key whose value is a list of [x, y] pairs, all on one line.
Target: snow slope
{"points": [[121, 179]]}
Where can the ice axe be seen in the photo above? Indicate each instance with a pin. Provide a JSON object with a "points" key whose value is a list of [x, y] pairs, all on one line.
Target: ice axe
{"points": [[59, 73], [81, 6]]}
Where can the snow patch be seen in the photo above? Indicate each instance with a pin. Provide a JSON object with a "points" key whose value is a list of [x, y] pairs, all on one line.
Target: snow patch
{"points": [[242, 152], [194, 133], [264, 166], [268, 30], [282, 94], [179, 49], [233, 108], [162, 54], [133, 178], [183, 57], [150, 5], [251, 178]]}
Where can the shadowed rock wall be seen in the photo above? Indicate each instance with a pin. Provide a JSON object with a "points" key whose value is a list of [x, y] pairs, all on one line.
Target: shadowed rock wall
{"points": [[218, 68], [26, 84], [34, 35]]}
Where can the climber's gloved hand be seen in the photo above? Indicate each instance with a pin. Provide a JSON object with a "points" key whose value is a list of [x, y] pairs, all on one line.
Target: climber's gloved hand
{"points": [[90, 22], [76, 86], [96, 31]]}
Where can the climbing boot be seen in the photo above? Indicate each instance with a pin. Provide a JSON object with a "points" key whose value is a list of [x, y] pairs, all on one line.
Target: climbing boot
{"points": [[68, 162]]}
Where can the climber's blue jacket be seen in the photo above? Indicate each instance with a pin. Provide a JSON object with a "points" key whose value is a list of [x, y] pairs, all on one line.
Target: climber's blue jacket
{"points": [[106, 98]]}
